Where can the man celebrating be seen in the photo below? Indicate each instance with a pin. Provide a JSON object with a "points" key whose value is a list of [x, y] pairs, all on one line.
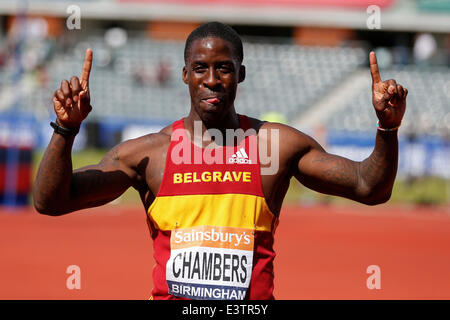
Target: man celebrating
{"points": [[212, 208]]}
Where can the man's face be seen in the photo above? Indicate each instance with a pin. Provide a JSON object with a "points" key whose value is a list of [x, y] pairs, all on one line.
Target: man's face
{"points": [[212, 72]]}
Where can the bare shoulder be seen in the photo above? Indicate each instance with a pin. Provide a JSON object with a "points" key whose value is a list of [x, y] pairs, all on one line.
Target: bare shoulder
{"points": [[288, 138], [284, 129], [132, 151]]}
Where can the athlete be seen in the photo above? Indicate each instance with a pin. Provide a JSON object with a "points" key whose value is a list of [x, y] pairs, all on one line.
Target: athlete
{"points": [[212, 218]]}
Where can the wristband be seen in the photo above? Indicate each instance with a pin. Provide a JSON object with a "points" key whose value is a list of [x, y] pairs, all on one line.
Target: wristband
{"points": [[386, 129], [64, 131]]}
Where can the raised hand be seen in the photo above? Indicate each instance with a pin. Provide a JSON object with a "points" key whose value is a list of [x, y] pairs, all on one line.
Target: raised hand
{"points": [[72, 100], [388, 97]]}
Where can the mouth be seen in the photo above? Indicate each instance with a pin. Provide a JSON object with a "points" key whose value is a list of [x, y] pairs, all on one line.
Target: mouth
{"points": [[212, 104]]}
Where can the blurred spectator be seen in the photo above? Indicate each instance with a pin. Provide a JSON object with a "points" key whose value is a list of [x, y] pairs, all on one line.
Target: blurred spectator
{"points": [[116, 37], [3, 57], [158, 75], [163, 73], [29, 37], [424, 48], [447, 49], [141, 77]]}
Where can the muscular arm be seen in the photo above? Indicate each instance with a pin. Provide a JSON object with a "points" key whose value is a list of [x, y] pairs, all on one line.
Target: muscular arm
{"points": [[369, 181], [58, 190]]}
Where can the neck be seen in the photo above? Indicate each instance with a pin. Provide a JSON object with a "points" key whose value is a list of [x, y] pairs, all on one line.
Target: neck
{"points": [[193, 122]]}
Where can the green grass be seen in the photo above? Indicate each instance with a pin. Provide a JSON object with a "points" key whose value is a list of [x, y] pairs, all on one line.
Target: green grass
{"points": [[422, 191], [425, 190]]}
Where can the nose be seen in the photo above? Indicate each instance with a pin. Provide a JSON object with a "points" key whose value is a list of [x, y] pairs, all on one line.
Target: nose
{"points": [[211, 79]]}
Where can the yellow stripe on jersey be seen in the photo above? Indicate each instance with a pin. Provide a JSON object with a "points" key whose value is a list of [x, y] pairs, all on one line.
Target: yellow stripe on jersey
{"points": [[226, 210]]}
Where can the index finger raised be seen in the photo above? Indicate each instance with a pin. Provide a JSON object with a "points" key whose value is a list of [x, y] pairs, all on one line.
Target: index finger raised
{"points": [[85, 72], [375, 73]]}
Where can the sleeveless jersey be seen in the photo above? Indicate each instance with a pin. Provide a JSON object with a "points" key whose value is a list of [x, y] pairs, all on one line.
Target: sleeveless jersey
{"points": [[211, 227]]}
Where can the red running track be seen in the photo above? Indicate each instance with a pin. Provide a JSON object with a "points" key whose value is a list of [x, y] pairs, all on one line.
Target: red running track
{"points": [[322, 253]]}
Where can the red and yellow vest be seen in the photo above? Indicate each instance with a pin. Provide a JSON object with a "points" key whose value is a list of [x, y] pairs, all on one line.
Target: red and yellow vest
{"points": [[211, 227]]}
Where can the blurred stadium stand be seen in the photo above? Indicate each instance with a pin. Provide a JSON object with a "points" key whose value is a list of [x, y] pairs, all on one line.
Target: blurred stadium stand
{"points": [[428, 109], [280, 77], [129, 88]]}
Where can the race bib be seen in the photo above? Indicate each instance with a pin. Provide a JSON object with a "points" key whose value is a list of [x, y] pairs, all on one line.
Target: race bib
{"points": [[210, 262]]}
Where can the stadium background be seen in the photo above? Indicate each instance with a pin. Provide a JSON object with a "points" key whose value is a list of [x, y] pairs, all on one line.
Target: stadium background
{"points": [[307, 65]]}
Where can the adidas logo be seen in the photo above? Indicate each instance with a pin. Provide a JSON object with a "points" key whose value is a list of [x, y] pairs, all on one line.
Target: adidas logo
{"points": [[240, 157]]}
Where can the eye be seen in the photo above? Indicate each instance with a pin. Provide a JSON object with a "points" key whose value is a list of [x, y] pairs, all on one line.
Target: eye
{"points": [[199, 69], [225, 68]]}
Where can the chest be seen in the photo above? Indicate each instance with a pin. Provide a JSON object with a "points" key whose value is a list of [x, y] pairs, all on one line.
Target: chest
{"points": [[233, 170]]}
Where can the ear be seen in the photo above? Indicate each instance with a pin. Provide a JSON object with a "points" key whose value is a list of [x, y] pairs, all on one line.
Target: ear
{"points": [[185, 78], [241, 74]]}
